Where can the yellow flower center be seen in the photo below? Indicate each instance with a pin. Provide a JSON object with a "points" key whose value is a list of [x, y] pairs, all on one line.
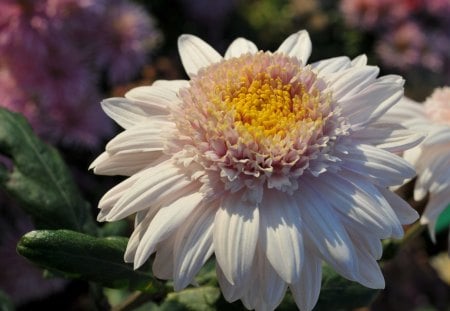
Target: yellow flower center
{"points": [[257, 119], [264, 106]]}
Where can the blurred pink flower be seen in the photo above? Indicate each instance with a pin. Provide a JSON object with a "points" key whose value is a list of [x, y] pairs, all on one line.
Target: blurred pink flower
{"points": [[408, 46], [370, 14]]}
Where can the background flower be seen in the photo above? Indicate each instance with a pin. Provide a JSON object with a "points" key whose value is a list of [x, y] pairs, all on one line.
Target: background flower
{"points": [[432, 157]]}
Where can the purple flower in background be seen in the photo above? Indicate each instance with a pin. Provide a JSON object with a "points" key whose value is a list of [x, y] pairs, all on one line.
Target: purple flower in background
{"points": [[51, 60], [408, 46], [412, 34], [126, 34]]}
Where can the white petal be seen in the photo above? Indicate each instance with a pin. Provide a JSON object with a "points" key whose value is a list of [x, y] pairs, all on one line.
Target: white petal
{"points": [[386, 168], [363, 240], [168, 219], [306, 291], [236, 228], [297, 45], [357, 198], [331, 65], [440, 136], [388, 136], [172, 85], [142, 137], [153, 185], [405, 213], [371, 103], [240, 46], [359, 61], [153, 100], [370, 274], [405, 110], [437, 204], [325, 231], [193, 245], [110, 198], [346, 83], [266, 289], [281, 234], [123, 111], [125, 163], [142, 221], [231, 292], [164, 259], [196, 54]]}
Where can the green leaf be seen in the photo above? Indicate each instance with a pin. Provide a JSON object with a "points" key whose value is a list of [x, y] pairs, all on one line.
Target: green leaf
{"points": [[40, 180], [443, 221], [338, 293], [77, 255], [5, 302]]}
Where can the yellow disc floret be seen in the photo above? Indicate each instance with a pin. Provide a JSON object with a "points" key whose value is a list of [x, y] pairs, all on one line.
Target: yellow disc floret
{"points": [[265, 106]]}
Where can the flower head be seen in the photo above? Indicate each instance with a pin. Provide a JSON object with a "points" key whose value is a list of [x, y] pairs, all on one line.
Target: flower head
{"points": [[432, 157], [269, 163]]}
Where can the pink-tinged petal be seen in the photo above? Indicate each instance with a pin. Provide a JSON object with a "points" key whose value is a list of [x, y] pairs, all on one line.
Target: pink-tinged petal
{"points": [[306, 291], [236, 229], [193, 245], [196, 54], [240, 46], [331, 65], [280, 229], [166, 221], [297, 45]]}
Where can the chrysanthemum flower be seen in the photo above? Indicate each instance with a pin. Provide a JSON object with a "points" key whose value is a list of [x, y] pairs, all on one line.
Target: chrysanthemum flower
{"points": [[432, 157], [268, 163]]}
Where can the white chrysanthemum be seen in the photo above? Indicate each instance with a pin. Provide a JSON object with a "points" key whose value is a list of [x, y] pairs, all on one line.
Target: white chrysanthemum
{"points": [[268, 163], [432, 157]]}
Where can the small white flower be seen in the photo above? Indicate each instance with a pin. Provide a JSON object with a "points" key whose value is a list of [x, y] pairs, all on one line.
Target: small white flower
{"points": [[268, 163], [432, 157]]}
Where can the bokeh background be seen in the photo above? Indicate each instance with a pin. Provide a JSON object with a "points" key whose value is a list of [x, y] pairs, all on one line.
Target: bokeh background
{"points": [[59, 58]]}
